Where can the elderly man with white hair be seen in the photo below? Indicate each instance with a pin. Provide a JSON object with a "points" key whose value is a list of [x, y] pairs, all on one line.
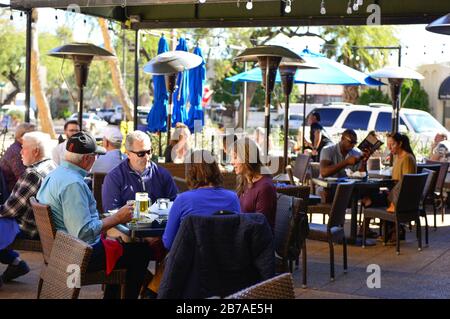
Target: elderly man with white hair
{"points": [[17, 208], [137, 174], [112, 141]]}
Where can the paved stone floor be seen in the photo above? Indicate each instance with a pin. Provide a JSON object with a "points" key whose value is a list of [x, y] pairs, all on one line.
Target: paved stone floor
{"points": [[412, 274]]}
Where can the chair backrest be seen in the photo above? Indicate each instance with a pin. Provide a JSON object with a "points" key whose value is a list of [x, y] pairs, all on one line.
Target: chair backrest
{"points": [[440, 180], [410, 193], [60, 280], [291, 227], [279, 287], [315, 169], [301, 166], [430, 183], [340, 203], [374, 163], [45, 226], [296, 191], [181, 184], [178, 170], [97, 183]]}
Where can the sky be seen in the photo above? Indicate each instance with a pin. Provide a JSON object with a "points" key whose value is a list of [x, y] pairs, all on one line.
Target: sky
{"points": [[418, 45]]}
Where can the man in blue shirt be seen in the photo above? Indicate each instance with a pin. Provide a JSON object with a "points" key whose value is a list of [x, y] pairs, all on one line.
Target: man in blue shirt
{"points": [[74, 211], [137, 174]]}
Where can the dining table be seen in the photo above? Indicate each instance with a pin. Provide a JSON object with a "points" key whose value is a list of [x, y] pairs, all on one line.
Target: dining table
{"points": [[361, 186]]}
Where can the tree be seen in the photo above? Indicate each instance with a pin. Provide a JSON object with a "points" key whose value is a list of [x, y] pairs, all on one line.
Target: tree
{"points": [[414, 96], [41, 99], [346, 44], [373, 96]]}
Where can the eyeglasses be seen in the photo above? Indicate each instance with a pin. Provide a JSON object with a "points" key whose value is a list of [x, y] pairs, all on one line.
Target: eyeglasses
{"points": [[353, 142], [142, 153]]}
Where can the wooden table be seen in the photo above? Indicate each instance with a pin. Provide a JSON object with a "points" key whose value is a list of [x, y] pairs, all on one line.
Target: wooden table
{"points": [[360, 186]]}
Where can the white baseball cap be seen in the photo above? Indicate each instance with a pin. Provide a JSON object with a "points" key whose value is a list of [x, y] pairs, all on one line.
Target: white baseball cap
{"points": [[113, 134]]}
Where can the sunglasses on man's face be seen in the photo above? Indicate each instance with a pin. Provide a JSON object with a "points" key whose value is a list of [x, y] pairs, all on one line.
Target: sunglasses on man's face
{"points": [[351, 141], [142, 153]]}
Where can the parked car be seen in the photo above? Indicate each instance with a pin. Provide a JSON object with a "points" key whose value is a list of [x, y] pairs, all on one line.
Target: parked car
{"points": [[91, 122], [295, 121], [117, 116], [106, 114], [420, 125]]}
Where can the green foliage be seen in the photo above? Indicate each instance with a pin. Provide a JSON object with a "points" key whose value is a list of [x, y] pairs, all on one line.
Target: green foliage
{"points": [[373, 96], [417, 99]]}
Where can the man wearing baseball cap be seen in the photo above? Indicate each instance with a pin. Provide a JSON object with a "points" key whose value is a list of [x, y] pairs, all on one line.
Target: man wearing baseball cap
{"points": [[74, 211], [112, 141]]}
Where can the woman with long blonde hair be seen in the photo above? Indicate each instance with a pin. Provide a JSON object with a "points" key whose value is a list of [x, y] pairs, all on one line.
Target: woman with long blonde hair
{"points": [[256, 191]]}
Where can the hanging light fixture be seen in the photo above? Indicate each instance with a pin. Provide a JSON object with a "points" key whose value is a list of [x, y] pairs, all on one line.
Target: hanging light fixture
{"points": [[355, 5], [441, 25], [323, 10], [360, 2], [288, 6], [249, 4], [202, 1]]}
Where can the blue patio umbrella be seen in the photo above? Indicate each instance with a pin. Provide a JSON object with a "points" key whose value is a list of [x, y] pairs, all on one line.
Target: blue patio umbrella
{"points": [[157, 117], [196, 79], [329, 72], [181, 93]]}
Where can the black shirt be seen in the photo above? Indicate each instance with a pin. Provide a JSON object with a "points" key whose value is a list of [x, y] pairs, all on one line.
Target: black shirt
{"points": [[325, 140]]}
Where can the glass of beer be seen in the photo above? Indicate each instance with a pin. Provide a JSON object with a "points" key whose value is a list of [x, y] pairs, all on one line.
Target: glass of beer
{"points": [[142, 205]]}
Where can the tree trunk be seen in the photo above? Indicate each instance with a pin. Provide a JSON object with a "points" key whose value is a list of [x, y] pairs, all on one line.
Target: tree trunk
{"points": [[41, 100], [116, 75], [351, 94], [10, 97]]}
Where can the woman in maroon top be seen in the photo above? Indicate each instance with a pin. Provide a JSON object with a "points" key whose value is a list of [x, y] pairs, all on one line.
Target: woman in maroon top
{"points": [[256, 192]]}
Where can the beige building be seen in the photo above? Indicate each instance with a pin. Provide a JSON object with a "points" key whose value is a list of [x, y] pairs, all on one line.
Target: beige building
{"points": [[435, 75]]}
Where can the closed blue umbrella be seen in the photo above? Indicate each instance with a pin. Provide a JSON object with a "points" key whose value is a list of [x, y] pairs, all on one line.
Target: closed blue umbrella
{"points": [[181, 93], [157, 117], [196, 79]]}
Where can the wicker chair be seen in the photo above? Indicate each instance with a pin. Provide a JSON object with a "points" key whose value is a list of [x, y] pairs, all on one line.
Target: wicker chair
{"points": [[291, 229], [47, 233], [67, 250], [301, 167], [406, 208], [181, 184], [279, 287], [26, 244], [427, 190], [334, 230], [97, 183]]}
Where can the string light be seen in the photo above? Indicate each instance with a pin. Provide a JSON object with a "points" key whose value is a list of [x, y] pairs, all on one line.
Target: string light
{"points": [[355, 5], [287, 8], [360, 2], [21, 14], [249, 4], [11, 16], [322, 7], [202, 1], [349, 7]]}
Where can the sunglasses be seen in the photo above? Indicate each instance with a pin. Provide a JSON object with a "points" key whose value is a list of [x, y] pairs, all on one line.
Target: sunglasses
{"points": [[353, 142], [142, 153]]}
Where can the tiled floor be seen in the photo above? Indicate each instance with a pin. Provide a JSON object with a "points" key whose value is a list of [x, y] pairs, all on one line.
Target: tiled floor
{"points": [[412, 274]]}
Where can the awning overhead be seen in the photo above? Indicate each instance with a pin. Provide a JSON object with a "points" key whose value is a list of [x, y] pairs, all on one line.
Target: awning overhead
{"points": [[145, 14], [444, 90]]}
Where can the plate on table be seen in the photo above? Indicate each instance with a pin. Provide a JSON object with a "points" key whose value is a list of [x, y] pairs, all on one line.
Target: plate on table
{"points": [[331, 179]]}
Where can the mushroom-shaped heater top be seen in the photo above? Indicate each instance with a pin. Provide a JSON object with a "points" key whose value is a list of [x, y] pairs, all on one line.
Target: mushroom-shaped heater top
{"points": [[441, 25], [172, 62]]}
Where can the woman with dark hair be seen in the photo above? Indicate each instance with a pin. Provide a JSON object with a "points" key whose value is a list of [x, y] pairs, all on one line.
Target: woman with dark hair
{"points": [[256, 191], [318, 136], [205, 197], [404, 159]]}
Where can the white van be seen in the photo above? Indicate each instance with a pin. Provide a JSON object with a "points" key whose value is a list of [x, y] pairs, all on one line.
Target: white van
{"points": [[335, 118]]}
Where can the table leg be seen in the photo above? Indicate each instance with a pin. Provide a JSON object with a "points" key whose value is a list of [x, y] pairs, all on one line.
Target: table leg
{"points": [[353, 239]]}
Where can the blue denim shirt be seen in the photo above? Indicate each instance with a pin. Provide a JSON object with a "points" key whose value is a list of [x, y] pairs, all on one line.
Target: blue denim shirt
{"points": [[74, 209]]}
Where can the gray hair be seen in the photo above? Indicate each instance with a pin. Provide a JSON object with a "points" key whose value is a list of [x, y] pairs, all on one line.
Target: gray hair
{"points": [[74, 158], [24, 128], [41, 140], [136, 136]]}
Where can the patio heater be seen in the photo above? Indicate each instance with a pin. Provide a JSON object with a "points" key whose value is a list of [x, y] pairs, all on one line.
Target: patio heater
{"points": [[395, 76], [170, 64], [268, 58], [288, 68], [82, 55], [441, 25]]}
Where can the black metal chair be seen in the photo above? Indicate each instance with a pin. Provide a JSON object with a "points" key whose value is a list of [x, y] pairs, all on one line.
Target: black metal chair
{"points": [[438, 198], [334, 230], [406, 208], [291, 229], [429, 187]]}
